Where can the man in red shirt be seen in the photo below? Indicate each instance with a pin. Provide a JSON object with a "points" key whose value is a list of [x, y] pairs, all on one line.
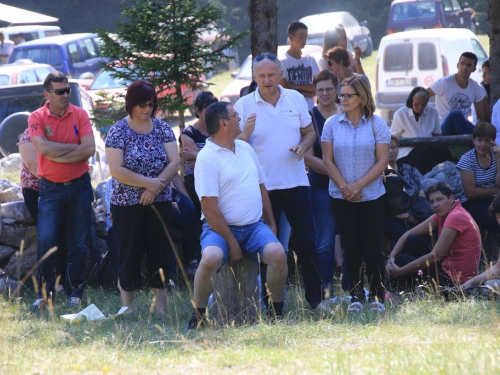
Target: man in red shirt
{"points": [[63, 137], [454, 259]]}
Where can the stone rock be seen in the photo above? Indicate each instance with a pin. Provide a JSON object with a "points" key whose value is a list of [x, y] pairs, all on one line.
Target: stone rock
{"points": [[13, 234], [100, 190], [100, 225], [10, 195], [26, 262], [12, 163], [17, 211], [7, 285], [427, 182], [5, 184], [5, 253], [441, 177]]}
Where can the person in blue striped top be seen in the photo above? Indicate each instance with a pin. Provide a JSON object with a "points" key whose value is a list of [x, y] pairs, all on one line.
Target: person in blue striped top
{"points": [[480, 174]]}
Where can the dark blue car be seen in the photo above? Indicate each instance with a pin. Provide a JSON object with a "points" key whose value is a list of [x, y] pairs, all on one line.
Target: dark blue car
{"points": [[408, 15], [72, 54]]}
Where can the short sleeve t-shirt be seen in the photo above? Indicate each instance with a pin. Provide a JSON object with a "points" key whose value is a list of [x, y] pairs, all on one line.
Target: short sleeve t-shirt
{"points": [[69, 128], [354, 151], [299, 71], [450, 96], [462, 261], [143, 154], [277, 129], [232, 177], [483, 177]]}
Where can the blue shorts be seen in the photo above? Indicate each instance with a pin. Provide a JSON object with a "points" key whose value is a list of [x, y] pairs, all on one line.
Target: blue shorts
{"points": [[252, 239]]}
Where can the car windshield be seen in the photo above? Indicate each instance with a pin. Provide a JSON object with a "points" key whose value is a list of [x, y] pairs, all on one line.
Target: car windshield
{"points": [[4, 80], [42, 55], [106, 80], [318, 23], [414, 9], [245, 70]]}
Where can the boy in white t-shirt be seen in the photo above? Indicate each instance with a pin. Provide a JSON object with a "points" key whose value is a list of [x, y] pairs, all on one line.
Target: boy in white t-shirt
{"points": [[299, 68], [455, 94]]}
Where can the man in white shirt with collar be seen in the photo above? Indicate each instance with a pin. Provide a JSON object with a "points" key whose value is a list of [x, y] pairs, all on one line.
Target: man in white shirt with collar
{"points": [[236, 208], [6, 47], [455, 94], [275, 121]]}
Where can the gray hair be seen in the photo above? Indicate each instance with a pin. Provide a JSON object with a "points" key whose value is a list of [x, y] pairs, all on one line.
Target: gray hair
{"points": [[213, 114]]}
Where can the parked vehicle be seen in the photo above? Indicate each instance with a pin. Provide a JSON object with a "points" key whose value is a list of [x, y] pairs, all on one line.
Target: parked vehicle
{"points": [[105, 81], [420, 58], [408, 15], [357, 33], [22, 72], [243, 78], [72, 54], [31, 32], [16, 103]]}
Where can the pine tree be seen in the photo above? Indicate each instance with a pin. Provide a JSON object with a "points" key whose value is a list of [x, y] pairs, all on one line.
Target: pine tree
{"points": [[160, 41]]}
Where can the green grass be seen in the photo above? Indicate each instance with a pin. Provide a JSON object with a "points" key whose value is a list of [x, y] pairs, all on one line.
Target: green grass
{"points": [[11, 176], [423, 336]]}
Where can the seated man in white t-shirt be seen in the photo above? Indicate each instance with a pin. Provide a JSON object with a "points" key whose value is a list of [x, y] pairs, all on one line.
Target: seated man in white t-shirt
{"points": [[236, 207], [455, 94], [299, 68]]}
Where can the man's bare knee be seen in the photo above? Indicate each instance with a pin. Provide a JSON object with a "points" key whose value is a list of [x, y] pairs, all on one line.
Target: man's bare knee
{"points": [[274, 254], [211, 259]]}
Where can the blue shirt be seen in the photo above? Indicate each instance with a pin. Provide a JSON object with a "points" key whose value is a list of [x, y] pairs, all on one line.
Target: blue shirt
{"points": [[354, 151]]}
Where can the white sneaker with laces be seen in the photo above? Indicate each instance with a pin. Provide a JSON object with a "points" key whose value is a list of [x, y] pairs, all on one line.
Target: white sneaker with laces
{"points": [[356, 307], [377, 307], [74, 302]]}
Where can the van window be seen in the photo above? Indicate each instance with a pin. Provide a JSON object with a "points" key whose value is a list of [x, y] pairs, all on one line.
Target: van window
{"points": [[89, 49], [398, 57], [427, 57], [30, 36], [74, 53], [4, 80], [414, 9], [480, 53], [52, 33], [27, 76], [42, 73]]}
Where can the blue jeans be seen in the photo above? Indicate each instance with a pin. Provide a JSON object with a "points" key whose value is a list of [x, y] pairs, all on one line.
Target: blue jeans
{"points": [[296, 204], [252, 238], [456, 124], [324, 223], [71, 204]]}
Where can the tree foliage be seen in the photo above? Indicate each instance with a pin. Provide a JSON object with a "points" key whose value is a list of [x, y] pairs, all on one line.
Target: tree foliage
{"points": [[161, 41]]}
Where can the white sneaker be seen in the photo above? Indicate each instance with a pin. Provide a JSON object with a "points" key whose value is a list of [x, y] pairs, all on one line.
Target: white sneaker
{"points": [[74, 302], [377, 307]]}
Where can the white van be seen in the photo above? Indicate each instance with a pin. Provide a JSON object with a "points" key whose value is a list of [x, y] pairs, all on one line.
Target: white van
{"points": [[31, 32], [420, 58]]}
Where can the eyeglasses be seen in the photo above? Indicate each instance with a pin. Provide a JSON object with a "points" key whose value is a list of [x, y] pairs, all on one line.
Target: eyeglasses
{"points": [[228, 117], [66, 90], [262, 56], [346, 96], [326, 90], [150, 105]]}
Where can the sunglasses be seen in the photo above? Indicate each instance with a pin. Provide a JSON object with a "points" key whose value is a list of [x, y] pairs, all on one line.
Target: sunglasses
{"points": [[347, 96], [67, 90], [262, 56], [144, 105]]}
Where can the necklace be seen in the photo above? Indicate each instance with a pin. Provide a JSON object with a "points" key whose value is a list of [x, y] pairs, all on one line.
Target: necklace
{"points": [[140, 128]]}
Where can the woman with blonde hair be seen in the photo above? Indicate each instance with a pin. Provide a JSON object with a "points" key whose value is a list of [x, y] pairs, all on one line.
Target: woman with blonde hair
{"points": [[337, 37], [355, 147]]}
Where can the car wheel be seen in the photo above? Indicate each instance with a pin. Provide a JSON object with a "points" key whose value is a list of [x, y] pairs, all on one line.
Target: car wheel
{"points": [[369, 48], [11, 131]]}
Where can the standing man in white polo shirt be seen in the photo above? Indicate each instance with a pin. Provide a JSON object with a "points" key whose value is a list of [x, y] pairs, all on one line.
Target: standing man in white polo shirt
{"points": [[276, 123], [230, 183]]}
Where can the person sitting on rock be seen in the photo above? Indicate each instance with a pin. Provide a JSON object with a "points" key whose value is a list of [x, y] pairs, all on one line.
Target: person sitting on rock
{"points": [[455, 256]]}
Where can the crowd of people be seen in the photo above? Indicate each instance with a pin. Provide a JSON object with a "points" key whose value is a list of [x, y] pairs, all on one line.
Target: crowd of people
{"points": [[273, 152]]}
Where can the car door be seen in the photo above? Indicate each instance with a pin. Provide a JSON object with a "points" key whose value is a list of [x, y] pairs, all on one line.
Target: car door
{"points": [[77, 61], [91, 54]]}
